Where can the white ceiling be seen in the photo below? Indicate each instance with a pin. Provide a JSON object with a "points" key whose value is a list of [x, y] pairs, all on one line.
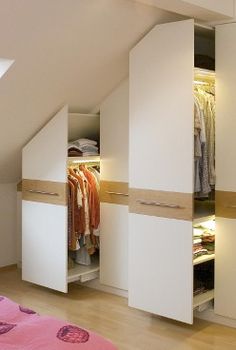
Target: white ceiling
{"points": [[65, 51]]}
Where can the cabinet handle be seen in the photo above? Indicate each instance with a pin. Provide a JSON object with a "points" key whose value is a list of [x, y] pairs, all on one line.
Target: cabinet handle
{"points": [[44, 192], [232, 206], [158, 204], [118, 193]]}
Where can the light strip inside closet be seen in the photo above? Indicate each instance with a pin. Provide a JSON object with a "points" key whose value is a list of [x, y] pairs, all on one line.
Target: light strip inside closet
{"points": [[204, 226]]}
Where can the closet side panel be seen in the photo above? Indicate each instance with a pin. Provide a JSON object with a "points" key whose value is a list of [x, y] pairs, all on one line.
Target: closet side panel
{"points": [[114, 245], [114, 122], [114, 134], [44, 244], [44, 206], [225, 268], [161, 171], [44, 157], [160, 259], [161, 109]]}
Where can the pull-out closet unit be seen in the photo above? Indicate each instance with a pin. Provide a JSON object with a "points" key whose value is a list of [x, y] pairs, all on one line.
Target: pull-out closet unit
{"points": [[46, 220], [164, 216], [45, 201]]}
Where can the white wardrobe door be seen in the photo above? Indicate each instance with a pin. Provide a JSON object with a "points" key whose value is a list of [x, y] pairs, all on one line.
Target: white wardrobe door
{"points": [[161, 160], [44, 244], [44, 224], [114, 245], [225, 262]]}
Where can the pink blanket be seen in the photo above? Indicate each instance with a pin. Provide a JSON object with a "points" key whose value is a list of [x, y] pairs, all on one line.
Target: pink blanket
{"points": [[24, 329]]}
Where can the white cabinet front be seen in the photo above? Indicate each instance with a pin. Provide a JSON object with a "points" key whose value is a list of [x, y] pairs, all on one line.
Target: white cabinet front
{"points": [[44, 244]]}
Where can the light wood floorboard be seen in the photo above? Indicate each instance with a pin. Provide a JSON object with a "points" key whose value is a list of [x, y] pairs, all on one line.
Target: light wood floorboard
{"points": [[110, 316]]}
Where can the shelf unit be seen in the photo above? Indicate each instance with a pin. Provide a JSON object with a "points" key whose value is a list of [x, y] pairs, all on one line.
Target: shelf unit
{"points": [[205, 75], [202, 259], [83, 273], [203, 298]]}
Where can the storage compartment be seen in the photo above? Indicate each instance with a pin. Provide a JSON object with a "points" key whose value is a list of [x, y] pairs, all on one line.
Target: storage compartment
{"points": [[203, 290], [83, 173]]}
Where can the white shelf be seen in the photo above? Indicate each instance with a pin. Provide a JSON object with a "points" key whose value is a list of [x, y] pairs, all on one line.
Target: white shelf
{"points": [[203, 298], [83, 272], [84, 159], [206, 75], [198, 221], [203, 258]]}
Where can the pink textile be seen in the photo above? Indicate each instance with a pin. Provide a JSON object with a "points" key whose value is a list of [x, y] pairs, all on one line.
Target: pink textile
{"points": [[24, 329]]}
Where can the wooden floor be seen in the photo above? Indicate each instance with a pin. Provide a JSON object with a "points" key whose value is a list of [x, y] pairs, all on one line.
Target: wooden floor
{"points": [[110, 316]]}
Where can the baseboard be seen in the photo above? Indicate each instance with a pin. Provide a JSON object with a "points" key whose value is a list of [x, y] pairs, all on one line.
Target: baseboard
{"points": [[209, 315], [95, 284], [8, 267]]}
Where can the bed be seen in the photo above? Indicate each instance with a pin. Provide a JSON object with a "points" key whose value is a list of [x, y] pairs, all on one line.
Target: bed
{"points": [[24, 329]]}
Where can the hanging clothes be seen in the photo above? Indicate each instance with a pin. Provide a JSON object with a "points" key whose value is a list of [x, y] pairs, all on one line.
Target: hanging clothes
{"points": [[72, 216], [204, 141], [83, 211]]}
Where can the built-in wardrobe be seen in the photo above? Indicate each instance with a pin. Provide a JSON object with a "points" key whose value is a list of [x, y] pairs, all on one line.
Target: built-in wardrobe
{"points": [[47, 257], [147, 185], [165, 214]]}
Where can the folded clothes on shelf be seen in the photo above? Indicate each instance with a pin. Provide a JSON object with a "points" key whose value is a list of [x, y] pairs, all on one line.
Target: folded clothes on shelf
{"points": [[82, 148], [203, 241]]}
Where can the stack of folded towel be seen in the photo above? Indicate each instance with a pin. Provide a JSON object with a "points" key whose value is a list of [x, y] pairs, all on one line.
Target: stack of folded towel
{"points": [[203, 241], [198, 249], [82, 148]]}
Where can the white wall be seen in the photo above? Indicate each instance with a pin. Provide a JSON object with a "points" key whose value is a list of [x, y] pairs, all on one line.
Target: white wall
{"points": [[204, 10], [225, 7], [7, 224]]}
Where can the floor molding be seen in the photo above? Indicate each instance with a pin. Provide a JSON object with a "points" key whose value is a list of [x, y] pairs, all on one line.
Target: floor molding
{"points": [[8, 267], [95, 284], [209, 315]]}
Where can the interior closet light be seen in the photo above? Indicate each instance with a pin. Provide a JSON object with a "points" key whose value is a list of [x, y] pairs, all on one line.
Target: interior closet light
{"points": [[5, 64], [86, 161]]}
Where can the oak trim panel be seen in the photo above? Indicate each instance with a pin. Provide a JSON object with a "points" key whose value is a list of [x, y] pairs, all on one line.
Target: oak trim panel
{"points": [[51, 192], [226, 204], [114, 192], [173, 205]]}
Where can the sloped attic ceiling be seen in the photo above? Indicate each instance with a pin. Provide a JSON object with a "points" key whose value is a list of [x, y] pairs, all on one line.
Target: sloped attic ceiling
{"points": [[65, 51]]}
